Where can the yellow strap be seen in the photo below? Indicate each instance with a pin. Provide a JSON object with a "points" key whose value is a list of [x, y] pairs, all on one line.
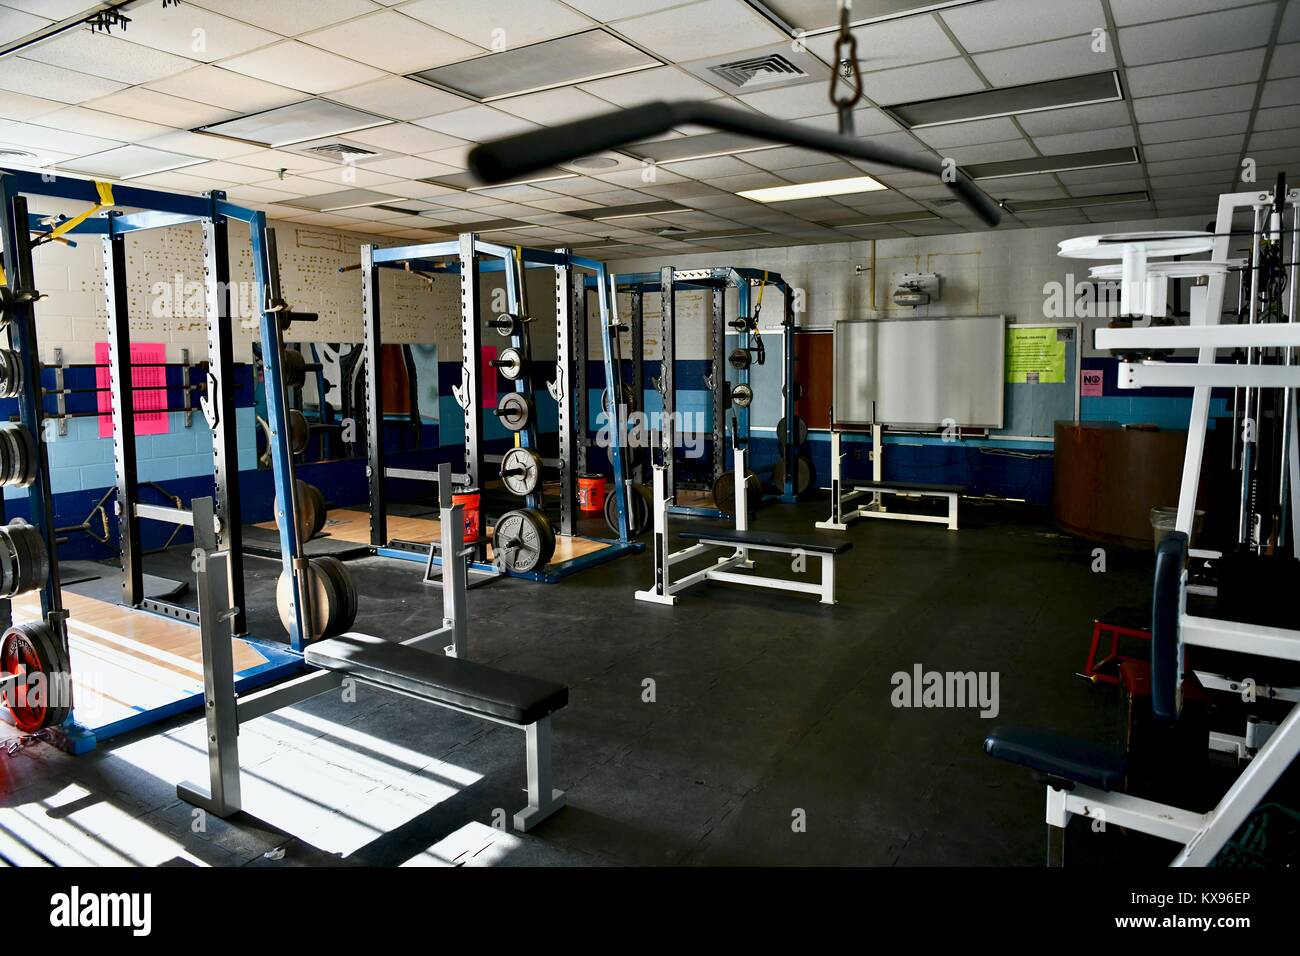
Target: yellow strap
{"points": [[761, 287], [105, 191]]}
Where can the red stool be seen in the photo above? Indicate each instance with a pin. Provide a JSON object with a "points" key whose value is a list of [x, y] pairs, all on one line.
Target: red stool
{"points": [[1117, 622]]}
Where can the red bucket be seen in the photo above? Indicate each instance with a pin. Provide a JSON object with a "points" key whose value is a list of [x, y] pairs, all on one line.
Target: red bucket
{"points": [[470, 499], [591, 492]]}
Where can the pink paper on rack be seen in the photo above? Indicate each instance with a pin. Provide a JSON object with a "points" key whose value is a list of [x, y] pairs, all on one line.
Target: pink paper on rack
{"points": [[488, 375], [147, 373]]}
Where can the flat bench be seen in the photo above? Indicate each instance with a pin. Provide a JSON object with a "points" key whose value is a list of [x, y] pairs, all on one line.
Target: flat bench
{"points": [[774, 540], [839, 519], [464, 686]]}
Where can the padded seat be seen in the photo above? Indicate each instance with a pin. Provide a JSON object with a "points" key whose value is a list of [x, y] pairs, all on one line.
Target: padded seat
{"points": [[814, 544], [1081, 761], [920, 487], [444, 680]]}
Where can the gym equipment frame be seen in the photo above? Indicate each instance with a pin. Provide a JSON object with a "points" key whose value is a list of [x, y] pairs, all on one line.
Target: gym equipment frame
{"points": [[667, 282], [82, 729], [840, 519], [469, 257], [741, 540]]}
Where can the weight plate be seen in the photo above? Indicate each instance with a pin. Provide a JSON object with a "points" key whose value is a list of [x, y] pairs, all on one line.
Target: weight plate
{"points": [[515, 411], [11, 374], [742, 396], [33, 560], [510, 363], [507, 325], [310, 510], [26, 648], [293, 368], [59, 705], [626, 400], [324, 601], [803, 474], [9, 580], [320, 511], [345, 588], [521, 471], [798, 391], [27, 463], [522, 540], [639, 515], [739, 358], [724, 492], [800, 432], [299, 432]]}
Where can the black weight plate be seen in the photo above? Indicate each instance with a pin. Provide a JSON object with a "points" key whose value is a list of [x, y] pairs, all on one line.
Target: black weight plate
{"points": [[626, 399], [34, 561], [800, 431], [324, 598], [798, 391], [321, 512], [508, 325], [9, 565], [515, 411], [59, 677], [346, 590], [639, 515], [299, 432], [724, 492], [739, 359], [293, 368], [803, 474]]}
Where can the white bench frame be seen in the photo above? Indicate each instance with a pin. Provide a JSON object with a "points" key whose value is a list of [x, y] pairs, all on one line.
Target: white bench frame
{"points": [[665, 589], [839, 520]]}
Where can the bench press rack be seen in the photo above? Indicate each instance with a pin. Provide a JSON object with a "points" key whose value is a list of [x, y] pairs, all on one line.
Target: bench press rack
{"points": [[741, 539]]}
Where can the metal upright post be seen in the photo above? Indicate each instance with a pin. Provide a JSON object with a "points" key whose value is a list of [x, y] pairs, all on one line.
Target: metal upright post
{"points": [[372, 356], [581, 354], [617, 423], [721, 387], [667, 375], [471, 341], [789, 394], [221, 402], [454, 569], [566, 356], [636, 346], [741, 421], [120, 381]]}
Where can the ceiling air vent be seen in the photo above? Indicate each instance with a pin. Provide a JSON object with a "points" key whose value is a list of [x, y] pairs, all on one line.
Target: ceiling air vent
{"points": [[343, 152], [758, 71]]}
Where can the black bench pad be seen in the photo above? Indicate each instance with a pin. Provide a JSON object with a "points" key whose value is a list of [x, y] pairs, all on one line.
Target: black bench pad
{"points": [[1079, 760], [446, 680], [815, 544], [920, 487]]}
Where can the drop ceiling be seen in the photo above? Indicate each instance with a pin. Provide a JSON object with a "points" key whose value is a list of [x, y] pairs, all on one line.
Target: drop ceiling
{"points": [[405, 88]]}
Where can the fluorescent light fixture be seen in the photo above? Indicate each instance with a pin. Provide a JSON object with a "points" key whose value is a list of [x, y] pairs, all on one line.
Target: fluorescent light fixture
{"points": [[819, 16], [295, 123], [886, 219], [1079, 202], [1084, 90], [580, 58], [631, 211], [826, 187], [343, 199], [703, 146], [1059, 163], [722, 234]]}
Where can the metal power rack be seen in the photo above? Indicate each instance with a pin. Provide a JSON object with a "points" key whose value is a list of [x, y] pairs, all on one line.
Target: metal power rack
{"points": [[469, 257], [667, 281]]}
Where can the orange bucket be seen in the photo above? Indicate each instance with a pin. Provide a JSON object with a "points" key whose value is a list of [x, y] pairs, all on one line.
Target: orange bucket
{"points": [[470, 499], [591, 492]]}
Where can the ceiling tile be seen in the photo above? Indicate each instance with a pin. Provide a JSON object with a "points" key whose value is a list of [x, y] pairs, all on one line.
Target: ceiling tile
{"points": [[404, 138], [1053, 60], [1074, 119], [410, 167], [108, 56], [1290, 29], [789, 102], [970, 134], [78, 119], [1003, 23], [228, 172], [231, 91], [15, 24], [922, 82], [345, 176], [1272, 139], [160, 108], [720, 26], [1129, 12], [20, 106], [188, 31], [290, 17], [1197, 36], [18, 75], [275, 160], [1280, 93], [500, 25], [196, 144], [1082, 142], [1227, 163], [1285, 61], [60, 140], [893, 43], [993, 152], [128, 161], [552, 107], [1197, 127], [1197, 73], [476, 124], [1227, 99], [401, 44], [302, 67], [1206, 146], [661, 83], [400, 98], [1281, 117]]}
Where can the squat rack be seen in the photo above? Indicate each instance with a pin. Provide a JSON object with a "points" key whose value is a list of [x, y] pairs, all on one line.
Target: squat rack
{"points": [[667, 282], [156, 210], [470, 257]]}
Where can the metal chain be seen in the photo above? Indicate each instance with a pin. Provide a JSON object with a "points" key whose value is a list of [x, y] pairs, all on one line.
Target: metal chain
{"points": [[845, 67]]}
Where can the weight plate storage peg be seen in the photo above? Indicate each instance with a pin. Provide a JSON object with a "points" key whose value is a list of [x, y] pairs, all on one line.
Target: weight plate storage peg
{"points": [[293, 368], [510, 363], [521, 471], [742, 396], [40, 698], [11, 374], [515, 411], [523, 540]]}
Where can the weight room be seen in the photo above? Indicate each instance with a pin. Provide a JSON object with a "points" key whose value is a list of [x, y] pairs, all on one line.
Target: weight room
{"points": [[459, 434]]}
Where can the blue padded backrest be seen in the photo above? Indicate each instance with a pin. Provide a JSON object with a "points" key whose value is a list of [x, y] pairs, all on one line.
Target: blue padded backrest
{"points": [[1166, 643]]}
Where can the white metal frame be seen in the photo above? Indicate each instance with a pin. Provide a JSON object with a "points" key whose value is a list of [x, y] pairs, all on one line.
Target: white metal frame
{"points": [[665, 588], [839, 519]]}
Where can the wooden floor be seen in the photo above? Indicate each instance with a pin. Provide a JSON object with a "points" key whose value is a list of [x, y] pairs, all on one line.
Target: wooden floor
{"points": [[355, 526], [125, 661]]}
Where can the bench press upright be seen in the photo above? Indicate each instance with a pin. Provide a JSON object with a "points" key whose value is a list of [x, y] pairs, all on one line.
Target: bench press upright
{"points": [[839, 519], [741, 540]]}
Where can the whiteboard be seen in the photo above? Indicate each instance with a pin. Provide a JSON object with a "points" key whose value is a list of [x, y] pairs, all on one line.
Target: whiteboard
{"points": [[920, 373]]}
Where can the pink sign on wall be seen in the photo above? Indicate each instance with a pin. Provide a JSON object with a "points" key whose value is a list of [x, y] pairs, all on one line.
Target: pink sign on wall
{"points": [[488, 375], [147, 371], [1090, 383]]}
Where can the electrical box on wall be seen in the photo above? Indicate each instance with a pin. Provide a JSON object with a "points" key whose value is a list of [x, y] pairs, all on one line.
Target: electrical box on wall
{"points": [[917, 289]]}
